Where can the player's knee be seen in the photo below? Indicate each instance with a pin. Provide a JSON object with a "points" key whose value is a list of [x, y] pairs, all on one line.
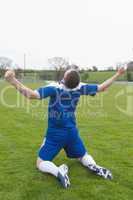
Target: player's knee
{"points": [[87, 160]]}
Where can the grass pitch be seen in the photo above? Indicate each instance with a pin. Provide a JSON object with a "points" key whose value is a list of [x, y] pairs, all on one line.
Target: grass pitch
{"points": [[106, 126]]}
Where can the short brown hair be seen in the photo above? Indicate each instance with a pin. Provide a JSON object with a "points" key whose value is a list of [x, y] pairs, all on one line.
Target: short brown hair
{"points": [[71, 78]]}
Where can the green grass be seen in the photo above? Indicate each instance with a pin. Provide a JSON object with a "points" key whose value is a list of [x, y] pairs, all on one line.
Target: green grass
{"points": [[100, 76], [107, 133], [93, 76]]}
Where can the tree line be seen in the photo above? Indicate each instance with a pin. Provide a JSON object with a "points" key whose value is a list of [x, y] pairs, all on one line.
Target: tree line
{"points": [[58, 66]]}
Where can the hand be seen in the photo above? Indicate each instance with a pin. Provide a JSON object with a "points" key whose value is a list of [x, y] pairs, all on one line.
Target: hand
{"points": [[9, 75], [121, 71]]}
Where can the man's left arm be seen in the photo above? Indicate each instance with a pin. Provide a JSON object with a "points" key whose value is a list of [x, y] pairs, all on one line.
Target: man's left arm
{"points": [[102, 87]]}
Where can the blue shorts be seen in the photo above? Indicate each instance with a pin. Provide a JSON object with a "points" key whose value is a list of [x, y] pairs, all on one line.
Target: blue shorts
{"points": [[58, 139]]}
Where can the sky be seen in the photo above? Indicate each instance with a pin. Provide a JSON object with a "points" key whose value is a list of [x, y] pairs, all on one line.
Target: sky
{"points": [[88, 32]]}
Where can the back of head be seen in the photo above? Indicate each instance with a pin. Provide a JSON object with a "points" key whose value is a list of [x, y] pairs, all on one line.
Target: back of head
{"points": [[71, 78]]}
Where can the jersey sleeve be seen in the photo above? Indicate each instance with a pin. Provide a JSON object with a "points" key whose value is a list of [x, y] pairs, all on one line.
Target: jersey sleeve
{"points": [[89, 89], [45, 92]]}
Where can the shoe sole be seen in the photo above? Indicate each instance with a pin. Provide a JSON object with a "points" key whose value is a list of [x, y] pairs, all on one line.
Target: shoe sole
{"points": [[64, 179]]}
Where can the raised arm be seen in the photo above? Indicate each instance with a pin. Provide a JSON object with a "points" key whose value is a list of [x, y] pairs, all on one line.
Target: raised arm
{"points": [[27, 92], [102, 87]]}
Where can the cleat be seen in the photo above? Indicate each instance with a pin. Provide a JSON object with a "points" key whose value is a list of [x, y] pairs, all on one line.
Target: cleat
{"points": [[100, 171], [63, 176]]}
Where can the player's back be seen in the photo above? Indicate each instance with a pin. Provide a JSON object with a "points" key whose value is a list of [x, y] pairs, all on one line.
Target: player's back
{"points": [[63, 103], [62, 107]]}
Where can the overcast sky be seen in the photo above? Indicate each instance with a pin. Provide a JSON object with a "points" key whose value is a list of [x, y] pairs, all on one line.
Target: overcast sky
{"points": [[89, 32]]}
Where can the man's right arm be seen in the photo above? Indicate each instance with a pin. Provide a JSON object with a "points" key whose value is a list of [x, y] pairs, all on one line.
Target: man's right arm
{"points": [[106, 84], [27, 92]]}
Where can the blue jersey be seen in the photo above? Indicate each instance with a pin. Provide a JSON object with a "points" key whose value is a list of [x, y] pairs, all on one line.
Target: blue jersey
{"points": [[63, 103]]}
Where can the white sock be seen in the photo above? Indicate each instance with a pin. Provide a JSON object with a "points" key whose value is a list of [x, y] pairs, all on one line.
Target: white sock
{"points": [[48, 167], [87, 160]]}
